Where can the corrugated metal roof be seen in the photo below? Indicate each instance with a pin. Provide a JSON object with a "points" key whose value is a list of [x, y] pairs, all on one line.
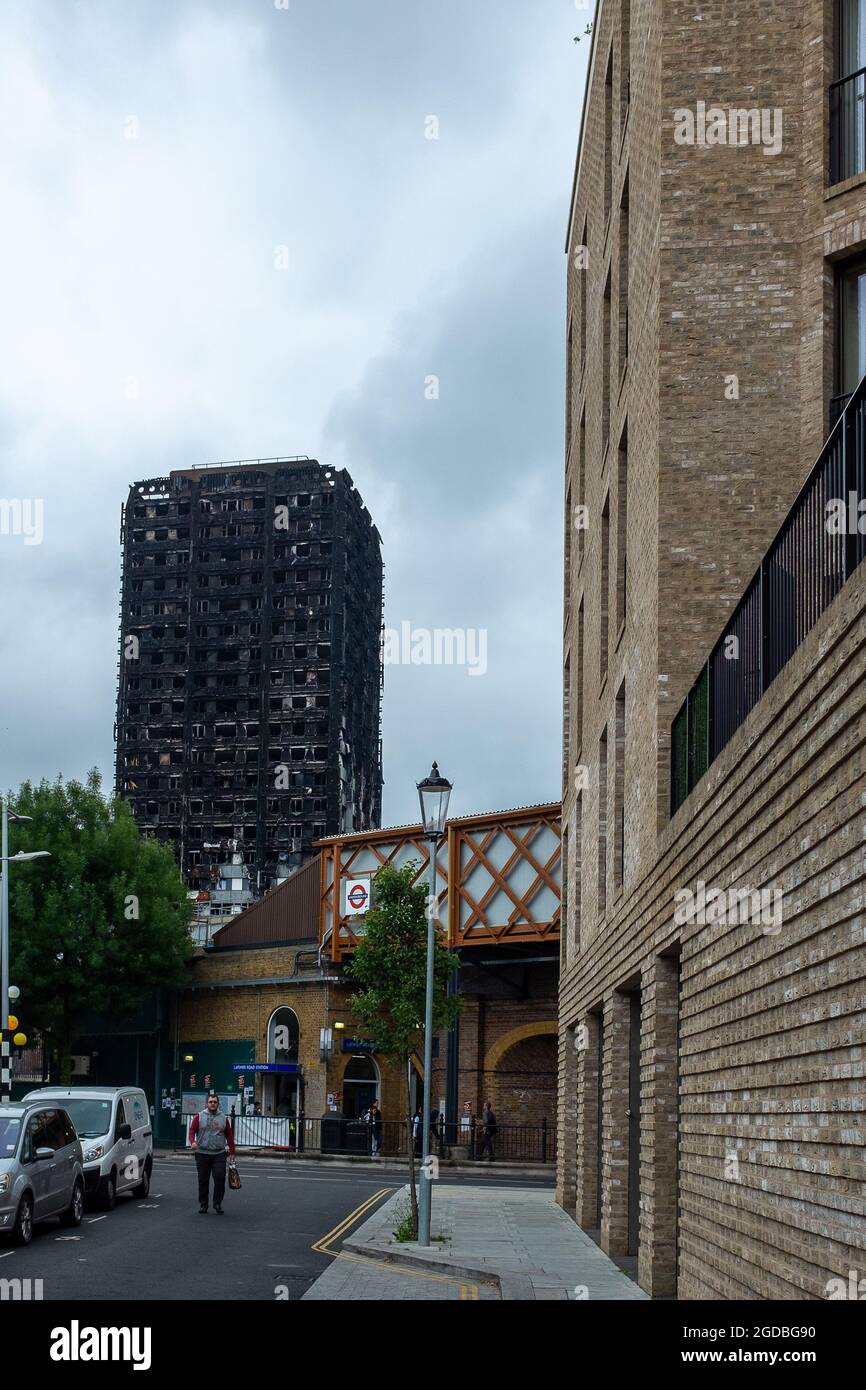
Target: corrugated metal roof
{"points": [[452, 820], [287, 913]]}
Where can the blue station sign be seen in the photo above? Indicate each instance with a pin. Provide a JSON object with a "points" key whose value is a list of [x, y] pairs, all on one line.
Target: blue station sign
{"points": [[291, 1067]]}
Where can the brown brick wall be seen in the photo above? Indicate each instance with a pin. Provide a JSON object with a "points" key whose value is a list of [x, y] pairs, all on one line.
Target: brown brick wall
{"points": [[771, 1026], [732, 256]]}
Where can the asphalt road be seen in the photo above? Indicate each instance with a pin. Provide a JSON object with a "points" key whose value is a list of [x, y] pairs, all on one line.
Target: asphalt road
{"points": [[262, 1248]]}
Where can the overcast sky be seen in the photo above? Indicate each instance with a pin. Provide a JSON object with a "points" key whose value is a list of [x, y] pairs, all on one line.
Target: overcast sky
{"points": [[154, 154]]}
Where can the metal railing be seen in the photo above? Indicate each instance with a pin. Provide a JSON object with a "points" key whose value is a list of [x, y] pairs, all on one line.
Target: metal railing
{"points": [[848, 126], [334, 1134], [820, 544]]}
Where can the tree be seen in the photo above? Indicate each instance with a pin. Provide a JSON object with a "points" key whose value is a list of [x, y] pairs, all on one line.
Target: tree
{"points": [[102, 922], [390, 965]]}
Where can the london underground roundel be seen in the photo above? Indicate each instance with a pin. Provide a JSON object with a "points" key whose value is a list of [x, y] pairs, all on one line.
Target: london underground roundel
{"points": [[357, 895]]}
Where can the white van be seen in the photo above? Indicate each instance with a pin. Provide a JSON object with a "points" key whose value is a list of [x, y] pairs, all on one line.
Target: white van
{"points": [[116, 1133]]}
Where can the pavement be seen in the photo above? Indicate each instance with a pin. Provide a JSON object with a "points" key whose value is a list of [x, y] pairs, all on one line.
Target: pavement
{"points": [[505, 1243]]}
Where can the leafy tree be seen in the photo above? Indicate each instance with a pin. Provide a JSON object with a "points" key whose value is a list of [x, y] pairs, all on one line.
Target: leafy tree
{"points": [[390, 965], [102, 922]]}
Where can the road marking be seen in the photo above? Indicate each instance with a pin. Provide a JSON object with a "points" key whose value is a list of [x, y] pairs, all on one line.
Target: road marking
{"points": [[321, 1245], [467, 1291], [148, 1206], [93, 1219], [6, 1254], [67, 1237]]}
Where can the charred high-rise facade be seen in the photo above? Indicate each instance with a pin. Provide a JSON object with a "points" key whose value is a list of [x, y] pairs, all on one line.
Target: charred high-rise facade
{"points": [[249, 683]]}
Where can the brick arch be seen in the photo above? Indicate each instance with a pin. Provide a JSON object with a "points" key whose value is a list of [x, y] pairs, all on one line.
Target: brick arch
{"points": [[497, 1050]]}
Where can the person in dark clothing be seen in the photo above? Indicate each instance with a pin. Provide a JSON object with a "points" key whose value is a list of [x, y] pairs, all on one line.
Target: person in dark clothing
{"points": [[212, 1139], [374, 1122], [418, 1128], [488, 1131]]}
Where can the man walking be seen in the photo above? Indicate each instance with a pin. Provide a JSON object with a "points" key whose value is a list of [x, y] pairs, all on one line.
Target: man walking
{"points": [[210, 1133], [488, 1131]]}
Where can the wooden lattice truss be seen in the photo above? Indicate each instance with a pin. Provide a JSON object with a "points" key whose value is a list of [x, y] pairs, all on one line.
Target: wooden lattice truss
{"points": [[526, 842]]}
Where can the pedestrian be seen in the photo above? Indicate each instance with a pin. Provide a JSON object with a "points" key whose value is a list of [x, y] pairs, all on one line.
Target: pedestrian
{"points": [[417, 1126], [212, 1139], [488, 1131], [374, 1120]]}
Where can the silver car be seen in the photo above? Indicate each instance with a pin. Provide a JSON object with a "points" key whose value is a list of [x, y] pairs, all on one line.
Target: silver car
{"points": [[41, 1168]]}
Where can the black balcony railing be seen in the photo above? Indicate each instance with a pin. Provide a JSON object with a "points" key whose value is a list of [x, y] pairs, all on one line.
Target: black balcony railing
{"points": [[848, 126], [821, 542]]}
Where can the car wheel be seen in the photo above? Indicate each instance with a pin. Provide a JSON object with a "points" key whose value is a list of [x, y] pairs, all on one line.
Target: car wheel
{"points": [[23, 1231], [108, 1193], [72, 1214], [144, 1186]]}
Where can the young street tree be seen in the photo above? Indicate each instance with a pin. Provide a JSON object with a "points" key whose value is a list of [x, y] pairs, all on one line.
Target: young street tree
{"points": [[102, 922], [390, 965]]}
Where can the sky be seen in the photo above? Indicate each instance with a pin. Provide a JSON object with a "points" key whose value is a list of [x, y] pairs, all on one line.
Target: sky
{"points": [[238, 229]]}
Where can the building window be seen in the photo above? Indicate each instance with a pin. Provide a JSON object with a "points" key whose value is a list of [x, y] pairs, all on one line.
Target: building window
{"points": [[567, 549], [621, 528], [624, 63], [619, 791], [603, 615], [577, 648], [566, 721], [850, 333], [623, 277], [605, 366], [608, 135], [602, 824], [848, 92], [583, 271], [569, 386], [580, 519], [575, 873]]}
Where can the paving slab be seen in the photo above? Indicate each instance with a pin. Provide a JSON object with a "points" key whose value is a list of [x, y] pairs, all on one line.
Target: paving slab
{"points": [[509, 1243]]}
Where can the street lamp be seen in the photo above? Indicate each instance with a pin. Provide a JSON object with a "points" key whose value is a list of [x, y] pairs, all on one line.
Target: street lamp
{"points": [[433, 793], [5, 860]]}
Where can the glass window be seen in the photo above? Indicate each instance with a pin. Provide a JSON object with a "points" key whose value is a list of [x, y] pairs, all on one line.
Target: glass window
{"points": [[91, 1118], [120, 1118], [851, 37], [55, 1131], [68, 1128], [10, 1132], [848, 92], [851, 332]]}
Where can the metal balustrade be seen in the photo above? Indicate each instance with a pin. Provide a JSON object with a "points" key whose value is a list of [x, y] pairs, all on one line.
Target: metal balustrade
{"points": [[815, 552]]}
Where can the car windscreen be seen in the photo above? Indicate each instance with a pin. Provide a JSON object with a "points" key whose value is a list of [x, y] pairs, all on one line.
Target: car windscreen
{"points": [[10, 1129], [90, 1117]]}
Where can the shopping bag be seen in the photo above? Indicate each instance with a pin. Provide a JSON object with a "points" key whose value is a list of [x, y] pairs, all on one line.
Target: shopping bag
{"points": [[234, 1176]]}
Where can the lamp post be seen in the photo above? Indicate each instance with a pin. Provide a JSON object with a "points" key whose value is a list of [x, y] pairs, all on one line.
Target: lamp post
{"points": [[6, 859], [433, 794]]}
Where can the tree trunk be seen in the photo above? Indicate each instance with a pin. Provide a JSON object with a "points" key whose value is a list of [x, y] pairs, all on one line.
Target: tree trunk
{"points": [[411, 1150]]}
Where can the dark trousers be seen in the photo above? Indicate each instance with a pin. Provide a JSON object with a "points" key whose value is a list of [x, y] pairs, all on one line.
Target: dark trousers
{"points": [[208, 1164], [486, 1144]]}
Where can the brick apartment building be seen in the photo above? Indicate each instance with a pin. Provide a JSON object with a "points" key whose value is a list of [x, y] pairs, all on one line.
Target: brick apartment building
{"points": [[711, 1066], [249, 683]]}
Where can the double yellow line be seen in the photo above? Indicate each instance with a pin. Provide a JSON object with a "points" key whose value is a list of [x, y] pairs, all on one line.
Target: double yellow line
{"points": [[321, 1245]]}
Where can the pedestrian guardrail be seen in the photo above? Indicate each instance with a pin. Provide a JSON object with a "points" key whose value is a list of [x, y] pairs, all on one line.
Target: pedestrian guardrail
{"points": [[337, 1134]]}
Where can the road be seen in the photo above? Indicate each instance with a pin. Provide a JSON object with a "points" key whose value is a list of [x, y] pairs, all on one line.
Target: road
{"points": [[262, 1248]]}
